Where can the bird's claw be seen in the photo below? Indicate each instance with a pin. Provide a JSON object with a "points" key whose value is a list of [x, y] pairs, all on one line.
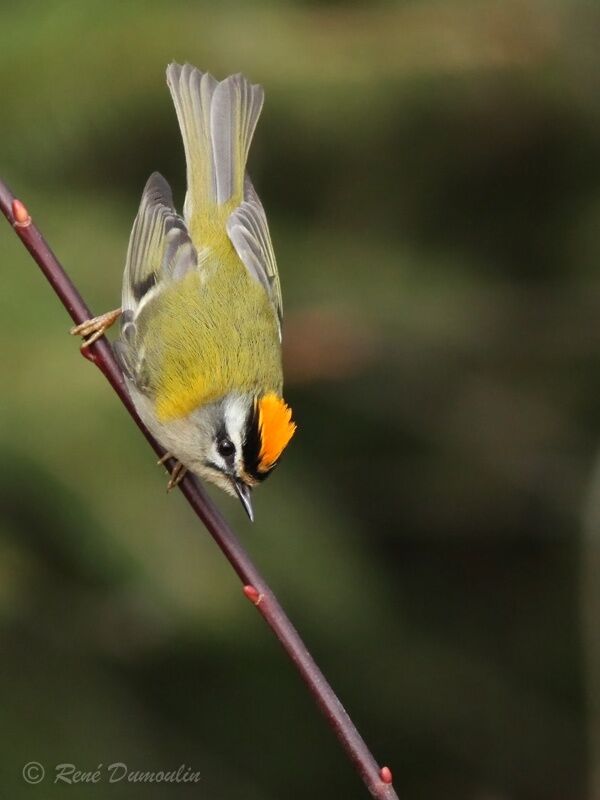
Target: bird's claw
{"points": [[178, 473], [92, 329]]}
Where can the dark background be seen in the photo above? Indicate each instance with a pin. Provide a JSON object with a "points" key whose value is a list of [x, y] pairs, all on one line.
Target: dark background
{"points": [[430, 171]]}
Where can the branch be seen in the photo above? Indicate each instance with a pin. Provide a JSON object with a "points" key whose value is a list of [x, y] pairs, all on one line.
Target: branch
{"points": [[377, 780]]}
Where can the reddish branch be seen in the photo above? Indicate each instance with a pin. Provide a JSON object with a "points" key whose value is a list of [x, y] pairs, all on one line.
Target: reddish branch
{"points": [[377, 780]]}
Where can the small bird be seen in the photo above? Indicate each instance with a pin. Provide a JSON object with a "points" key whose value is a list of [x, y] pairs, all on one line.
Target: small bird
{"points": [[201, 313]]}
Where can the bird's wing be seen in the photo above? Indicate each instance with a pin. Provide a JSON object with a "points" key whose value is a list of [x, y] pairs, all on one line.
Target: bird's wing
{"points": [[160, 248], [249, 233], [160, 252]]}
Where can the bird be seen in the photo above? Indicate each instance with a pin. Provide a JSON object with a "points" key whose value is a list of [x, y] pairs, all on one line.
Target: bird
{"points": [[201, 306]]}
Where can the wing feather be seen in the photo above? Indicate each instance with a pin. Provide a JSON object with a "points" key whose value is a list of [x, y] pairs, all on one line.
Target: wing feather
{"points": [[159, 247], [160, 252], [248, 230]]}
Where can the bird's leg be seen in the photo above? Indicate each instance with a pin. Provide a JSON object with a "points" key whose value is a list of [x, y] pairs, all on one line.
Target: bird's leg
{"points": [[178, 473], [93, 329]]}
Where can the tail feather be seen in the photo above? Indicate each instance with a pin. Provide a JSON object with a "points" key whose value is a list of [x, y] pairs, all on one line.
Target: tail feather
{"points": [[217, 122]]}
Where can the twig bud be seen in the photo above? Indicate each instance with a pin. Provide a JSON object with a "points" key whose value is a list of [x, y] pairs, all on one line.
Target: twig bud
{"points": [[20, 214], [252, 594], [385, 773]]}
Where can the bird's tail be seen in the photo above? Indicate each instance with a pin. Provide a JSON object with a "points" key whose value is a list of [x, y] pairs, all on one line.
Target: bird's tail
{"points": [[217, 121]]}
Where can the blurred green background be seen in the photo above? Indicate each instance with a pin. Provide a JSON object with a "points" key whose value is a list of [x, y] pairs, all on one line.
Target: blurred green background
{"points": [[431, 174]]}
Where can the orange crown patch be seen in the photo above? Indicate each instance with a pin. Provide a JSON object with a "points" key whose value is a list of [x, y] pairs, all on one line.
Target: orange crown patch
{"points": [[276, 429]]}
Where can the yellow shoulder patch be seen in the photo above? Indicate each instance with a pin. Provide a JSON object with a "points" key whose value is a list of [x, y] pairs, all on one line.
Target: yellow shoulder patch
{"points": [[181, 399], [276, 429]]}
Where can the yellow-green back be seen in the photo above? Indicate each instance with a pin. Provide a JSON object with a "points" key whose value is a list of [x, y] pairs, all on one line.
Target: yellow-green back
{"points": [[211, 333]]}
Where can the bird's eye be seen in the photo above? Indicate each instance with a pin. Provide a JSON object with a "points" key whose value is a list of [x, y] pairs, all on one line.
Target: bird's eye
{"points": [[226, 448]]}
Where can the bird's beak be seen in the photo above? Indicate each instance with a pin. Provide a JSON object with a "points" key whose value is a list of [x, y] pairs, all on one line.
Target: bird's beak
{"points": [[243, 492]]}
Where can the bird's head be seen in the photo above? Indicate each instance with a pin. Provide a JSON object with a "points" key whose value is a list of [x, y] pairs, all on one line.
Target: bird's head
{"points": [[243, 437]]}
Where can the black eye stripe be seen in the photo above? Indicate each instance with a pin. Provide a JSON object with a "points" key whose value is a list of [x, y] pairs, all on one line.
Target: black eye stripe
{"points": [[251, 446]]}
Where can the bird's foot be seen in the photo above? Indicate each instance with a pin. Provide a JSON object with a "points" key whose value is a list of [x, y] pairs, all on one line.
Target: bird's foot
{"points": [[92, 329], [178, 473]]}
